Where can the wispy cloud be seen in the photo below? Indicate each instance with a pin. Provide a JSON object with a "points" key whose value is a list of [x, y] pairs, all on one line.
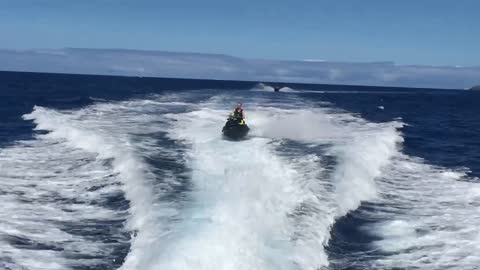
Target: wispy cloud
{"points": [[211, 66]]}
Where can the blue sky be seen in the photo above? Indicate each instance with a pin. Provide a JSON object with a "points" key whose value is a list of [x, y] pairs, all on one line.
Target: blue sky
{"points": [[425, 32]]}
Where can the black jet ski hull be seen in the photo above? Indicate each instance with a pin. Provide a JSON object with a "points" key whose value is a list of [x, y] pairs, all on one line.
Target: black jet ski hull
{"points": [[235, 131]]}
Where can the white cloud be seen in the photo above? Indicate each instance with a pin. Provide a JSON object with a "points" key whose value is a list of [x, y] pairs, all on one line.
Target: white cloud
{"points": [[211, 66]]}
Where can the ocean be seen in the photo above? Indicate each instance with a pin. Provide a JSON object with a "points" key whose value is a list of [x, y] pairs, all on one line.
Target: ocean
{"points": [[104, 172]]}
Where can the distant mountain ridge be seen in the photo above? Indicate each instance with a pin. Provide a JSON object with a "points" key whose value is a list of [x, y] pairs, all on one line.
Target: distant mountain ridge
{"points": [[475, 88], [122, 62]]}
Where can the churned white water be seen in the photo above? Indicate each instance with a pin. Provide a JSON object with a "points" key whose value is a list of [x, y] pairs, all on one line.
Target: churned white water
{"points": [[188, 199]]}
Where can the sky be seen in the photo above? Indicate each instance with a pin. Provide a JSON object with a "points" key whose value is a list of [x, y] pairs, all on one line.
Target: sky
{"points": [[426, 32]]}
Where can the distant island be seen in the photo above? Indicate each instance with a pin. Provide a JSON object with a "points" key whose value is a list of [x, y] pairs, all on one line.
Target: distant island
{"points": [[164, 64], [475, 88]]}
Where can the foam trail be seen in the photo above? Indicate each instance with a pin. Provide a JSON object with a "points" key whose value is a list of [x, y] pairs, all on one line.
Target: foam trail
{"points": [[295, 124], [362, 149], [249, 206], [242, 193], [427, 218], [46, 212], [104, 136], [360, 164], [241, 183], [126, 163]]}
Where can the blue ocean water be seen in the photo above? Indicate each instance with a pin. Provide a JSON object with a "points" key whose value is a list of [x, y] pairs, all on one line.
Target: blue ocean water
{"points": [[100, 172]]}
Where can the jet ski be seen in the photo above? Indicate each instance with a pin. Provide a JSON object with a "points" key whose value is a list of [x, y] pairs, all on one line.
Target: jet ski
{"points": [[235, 128]]}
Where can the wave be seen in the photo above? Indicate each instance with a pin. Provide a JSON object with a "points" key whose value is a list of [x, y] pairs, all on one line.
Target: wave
{"points": [[126, 164], [105, 131], [429, 220], [44, 219], [361, 148], [239, 184], [51, 194], [248, 205], [267, 88]]}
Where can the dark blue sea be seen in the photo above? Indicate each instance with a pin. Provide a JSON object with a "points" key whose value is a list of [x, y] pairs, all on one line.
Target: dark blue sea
{"points": [[102, 172]]}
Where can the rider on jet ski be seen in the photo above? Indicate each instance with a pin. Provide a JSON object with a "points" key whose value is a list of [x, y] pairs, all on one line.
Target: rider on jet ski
{"points": [[235, 128], [238, 114]]}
